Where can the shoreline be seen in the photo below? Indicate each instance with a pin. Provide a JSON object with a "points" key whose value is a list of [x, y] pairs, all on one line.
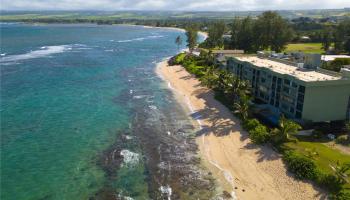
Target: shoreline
{"points": [[244, 170]]}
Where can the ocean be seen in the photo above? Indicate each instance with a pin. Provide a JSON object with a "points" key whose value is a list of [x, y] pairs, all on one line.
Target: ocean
{"points": [[84, 116]]}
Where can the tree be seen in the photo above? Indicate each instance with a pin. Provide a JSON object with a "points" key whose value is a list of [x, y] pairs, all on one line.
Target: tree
{"points": [[215, 32], [192, 35], [271, 31], [178, 41], [341, 172], [259, 134], [337, 64], [286, 128], [246, 35], [235, 29], [342, 36], [242, 35], [242, 107], [326, 38], [209, 79], [347, 45]]}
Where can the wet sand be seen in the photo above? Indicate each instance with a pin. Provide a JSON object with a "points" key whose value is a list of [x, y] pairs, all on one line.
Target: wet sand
{"points": [[245, 170]]}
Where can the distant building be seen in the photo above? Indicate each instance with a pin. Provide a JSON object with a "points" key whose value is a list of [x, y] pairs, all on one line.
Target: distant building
{"points": [[221, 55], [285, 87], [305, 38], [328, 58]]}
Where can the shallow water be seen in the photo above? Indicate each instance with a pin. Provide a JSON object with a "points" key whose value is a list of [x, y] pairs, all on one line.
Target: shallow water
{"points": [[83, 115]]}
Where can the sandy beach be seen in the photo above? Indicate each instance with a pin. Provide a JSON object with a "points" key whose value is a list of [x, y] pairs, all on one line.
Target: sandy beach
{"points": [[245, 170]]}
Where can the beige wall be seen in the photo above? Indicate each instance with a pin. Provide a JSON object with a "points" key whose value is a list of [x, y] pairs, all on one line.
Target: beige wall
{"points": [[326, 103]]}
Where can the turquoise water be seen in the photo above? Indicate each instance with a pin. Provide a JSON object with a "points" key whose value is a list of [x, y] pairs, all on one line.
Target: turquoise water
{"points": [[69, 93]]}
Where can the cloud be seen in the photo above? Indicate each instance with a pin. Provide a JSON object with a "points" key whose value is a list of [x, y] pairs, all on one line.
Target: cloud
{"points": [[195, 5]]}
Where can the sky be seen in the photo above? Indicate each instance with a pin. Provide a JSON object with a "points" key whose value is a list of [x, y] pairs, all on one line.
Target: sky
{"points": [[186, 5]]}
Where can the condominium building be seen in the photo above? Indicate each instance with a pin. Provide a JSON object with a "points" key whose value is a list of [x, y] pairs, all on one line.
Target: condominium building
{"points": [[304, 94]]}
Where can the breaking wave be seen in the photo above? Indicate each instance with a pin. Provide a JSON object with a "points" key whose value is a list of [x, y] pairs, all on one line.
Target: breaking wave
{"points": [[141, 38], [42, 52]]}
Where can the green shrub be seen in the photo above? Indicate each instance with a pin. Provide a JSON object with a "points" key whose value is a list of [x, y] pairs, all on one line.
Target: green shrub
{"points": [[259, 134], [179, 58], [302, 167], [337, 63], [344, 194], [343, 139], [329, 181], [250, 124]]}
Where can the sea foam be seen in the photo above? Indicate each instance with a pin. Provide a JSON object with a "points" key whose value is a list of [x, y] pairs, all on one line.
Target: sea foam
{"points": [[141, 38], [129, 158], [166, 190], [42, 52]]}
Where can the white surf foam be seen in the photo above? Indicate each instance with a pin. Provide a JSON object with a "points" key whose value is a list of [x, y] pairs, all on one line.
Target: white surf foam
{"points": [[120, 196], [129, 158], [141, 38], [132, 40], [42, 52], [152, 107], [228, 176], [166, 190]]}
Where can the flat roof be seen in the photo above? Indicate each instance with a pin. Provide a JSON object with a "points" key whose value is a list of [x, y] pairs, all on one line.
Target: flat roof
{"points": [[281, 68]]}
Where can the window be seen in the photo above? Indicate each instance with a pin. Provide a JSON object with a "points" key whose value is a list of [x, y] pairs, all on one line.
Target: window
{"points": [[294, 85], [273, 85], [262, 95], [300, 97], [284, 106], [263, 89], [287, 99], [286, 89], [286, 82], [299, 106], [301, 89], [291, 109], [298, 115], [277, 103]]}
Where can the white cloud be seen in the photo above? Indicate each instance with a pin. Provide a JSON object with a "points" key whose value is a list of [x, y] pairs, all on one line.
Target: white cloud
{"points": [[196, 5]]}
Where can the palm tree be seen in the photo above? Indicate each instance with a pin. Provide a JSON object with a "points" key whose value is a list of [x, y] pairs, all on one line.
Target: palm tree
{"points": [[286, 128], [210, 78], [235, 87], [178, 41], [242, 107], [224, 79], [341, 172]]}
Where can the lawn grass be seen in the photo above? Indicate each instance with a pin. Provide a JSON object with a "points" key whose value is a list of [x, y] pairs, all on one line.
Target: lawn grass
{"points": [[323, 155], [305, 47]]}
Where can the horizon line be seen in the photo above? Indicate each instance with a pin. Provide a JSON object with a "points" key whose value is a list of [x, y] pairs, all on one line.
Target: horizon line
{"points": [[160, 10]]}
